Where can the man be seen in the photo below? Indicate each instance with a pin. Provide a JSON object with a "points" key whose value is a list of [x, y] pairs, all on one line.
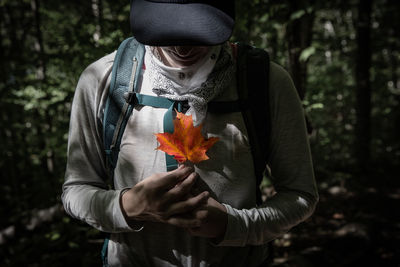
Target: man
{"points": [[204, 215]]}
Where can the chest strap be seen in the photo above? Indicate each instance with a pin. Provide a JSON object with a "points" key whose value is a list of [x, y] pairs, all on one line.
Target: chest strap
{"points": [[168, 124]]}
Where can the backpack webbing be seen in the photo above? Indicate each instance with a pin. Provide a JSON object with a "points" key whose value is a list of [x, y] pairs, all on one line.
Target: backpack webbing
{"points": [[253, 88], [124, 79], [253, 101]]}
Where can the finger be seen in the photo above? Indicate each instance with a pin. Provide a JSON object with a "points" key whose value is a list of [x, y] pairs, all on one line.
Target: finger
{"points": [[187, 205], [202, 215], [172, 178], [182, 189], [193, 230], [184, 222]]}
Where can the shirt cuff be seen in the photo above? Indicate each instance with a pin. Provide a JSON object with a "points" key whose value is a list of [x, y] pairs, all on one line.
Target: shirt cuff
{"points": [[236, 229], [129, 224]]}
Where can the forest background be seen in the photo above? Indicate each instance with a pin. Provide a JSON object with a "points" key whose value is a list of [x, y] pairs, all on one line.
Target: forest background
{"points": [[343, 56]]}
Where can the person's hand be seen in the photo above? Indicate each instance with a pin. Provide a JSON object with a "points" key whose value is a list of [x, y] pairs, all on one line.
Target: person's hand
{"points": [[213, 217], [163, 195]]}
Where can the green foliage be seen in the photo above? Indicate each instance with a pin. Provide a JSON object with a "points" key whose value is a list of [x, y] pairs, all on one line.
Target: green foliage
{"points": [[43, 52], [306, 53], [330, 89]]}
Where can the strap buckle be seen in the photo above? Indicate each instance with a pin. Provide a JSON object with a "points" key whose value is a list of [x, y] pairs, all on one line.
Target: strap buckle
{"points": [[130, 97]]}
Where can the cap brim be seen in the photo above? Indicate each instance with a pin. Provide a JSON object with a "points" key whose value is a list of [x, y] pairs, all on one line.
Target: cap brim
{"points": [[166, 24]]}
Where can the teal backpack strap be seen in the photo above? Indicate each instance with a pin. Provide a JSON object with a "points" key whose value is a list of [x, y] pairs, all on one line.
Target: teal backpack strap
{"points": [[170, 162], [104, 253], [124, 78], [123, 96]]}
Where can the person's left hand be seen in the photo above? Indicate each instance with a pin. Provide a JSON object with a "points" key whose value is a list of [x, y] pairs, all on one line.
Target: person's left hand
{"points": [[213, 217]]}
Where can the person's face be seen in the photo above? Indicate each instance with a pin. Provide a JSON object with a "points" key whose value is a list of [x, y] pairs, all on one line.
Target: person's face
{"points": [[185, 55]]}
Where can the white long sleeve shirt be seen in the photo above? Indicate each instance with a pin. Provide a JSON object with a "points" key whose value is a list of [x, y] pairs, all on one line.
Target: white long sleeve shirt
{"points": [[228, 175]]}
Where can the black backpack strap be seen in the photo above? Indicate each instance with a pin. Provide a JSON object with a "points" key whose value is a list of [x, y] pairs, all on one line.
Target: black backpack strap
{"points": [[253, 101], [253, 90]]}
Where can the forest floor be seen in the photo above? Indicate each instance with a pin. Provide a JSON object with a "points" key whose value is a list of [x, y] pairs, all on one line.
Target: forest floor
{"points": [[356, 223]]}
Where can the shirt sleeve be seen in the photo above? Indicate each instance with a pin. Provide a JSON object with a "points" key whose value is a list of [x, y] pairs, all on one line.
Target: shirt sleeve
{"points": [[85, 191], [292, 172]]}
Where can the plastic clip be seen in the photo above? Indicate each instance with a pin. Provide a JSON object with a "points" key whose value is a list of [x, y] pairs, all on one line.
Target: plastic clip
{"points": [[130, 97]]}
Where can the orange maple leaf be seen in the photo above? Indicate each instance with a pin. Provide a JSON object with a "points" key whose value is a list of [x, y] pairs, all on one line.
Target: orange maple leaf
{"points": [[186, 142]]}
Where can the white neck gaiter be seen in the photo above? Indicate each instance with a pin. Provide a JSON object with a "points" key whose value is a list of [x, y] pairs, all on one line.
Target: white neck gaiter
{"points": [[198, 83]]}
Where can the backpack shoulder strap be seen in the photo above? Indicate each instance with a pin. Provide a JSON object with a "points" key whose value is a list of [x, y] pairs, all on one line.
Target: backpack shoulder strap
{"points": [[253, 88], [124, 80]]}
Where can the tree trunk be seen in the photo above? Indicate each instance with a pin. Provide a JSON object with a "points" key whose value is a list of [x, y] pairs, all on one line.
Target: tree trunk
{"points": [[363, 86], [396, 85], [394, 52], [97, 10], [47, 159], [249, 20], [41, 71], [2, 55], [299, 36]]}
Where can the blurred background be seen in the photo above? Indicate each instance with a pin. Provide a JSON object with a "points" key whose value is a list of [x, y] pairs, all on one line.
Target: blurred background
{"points": [[344, 58]]}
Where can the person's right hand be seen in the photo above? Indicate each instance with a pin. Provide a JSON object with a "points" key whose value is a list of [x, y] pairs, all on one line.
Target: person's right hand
{"points": [[163, 195]]}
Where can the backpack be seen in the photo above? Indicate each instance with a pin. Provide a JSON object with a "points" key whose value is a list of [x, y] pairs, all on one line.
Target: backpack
{"points": [[253, 102], [252, 72]]}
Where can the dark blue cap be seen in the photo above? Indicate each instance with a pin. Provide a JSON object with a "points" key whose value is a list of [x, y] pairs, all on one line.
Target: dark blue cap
{"points": [[182, 22]]}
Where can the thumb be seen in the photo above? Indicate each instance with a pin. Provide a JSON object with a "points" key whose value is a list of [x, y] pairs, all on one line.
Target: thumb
{"points": [[176, 176]]}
